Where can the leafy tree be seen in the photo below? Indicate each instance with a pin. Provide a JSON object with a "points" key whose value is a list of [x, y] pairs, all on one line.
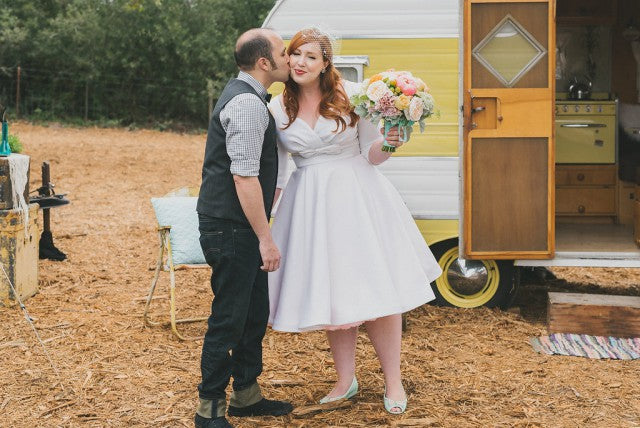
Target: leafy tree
{"points": [[133, 60]]}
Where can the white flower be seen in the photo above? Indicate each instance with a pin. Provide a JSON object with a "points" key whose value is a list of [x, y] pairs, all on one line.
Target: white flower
{"points": [[377, 90], [415, 110], [427, 99]]}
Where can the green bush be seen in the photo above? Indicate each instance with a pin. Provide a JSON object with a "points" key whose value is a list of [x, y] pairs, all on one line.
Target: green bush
{"points": [[15, 144]]}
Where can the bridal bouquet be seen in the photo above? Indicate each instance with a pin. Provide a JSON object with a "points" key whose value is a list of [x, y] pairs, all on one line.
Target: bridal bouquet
{"points": [[396, 97]]}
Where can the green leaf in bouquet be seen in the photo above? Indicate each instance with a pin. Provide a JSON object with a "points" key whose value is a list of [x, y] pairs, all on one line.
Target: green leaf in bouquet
{"points": [[360, 110], [392, 120], [360, 99], [376, 117]]}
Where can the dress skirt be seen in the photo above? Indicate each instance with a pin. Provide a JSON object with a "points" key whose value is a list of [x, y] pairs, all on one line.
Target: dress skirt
{"points": [[351, 251]]}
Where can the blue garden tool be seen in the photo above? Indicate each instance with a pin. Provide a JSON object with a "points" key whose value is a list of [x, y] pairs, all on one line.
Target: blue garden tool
{"points": [[5, 150]]}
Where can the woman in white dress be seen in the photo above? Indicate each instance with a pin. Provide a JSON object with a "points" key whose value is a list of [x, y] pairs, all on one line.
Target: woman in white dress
{"points": [[351, 252]]}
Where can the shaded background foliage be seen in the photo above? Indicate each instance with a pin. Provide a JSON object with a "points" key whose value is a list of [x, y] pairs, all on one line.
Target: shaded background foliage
{"points": [[132, 61]]}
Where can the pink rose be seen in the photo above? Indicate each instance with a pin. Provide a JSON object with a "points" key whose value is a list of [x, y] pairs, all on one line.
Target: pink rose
{"points": [[409, 90], [407, 85]]}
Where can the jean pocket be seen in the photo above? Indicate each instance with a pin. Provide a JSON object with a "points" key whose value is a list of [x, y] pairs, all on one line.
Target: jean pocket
{"points": [[241, 229], [244, 234], [212, 245]]}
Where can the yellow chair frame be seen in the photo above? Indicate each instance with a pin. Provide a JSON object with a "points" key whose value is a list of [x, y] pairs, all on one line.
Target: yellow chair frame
{"points": [[165, 259]]}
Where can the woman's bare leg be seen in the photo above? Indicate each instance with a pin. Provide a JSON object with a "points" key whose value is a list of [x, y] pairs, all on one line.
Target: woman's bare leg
{"points": [[386, 336], [343, 349]]}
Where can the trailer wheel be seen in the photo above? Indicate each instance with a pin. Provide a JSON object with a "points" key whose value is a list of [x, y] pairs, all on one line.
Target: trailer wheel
{"points": [[472, 283]]}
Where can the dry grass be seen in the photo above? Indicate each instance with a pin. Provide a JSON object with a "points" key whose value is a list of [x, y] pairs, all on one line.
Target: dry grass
{"points": [[462, 368]]}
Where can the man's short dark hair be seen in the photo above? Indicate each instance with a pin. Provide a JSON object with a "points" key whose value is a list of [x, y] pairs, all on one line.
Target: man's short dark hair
{"points": [[249, 52]]}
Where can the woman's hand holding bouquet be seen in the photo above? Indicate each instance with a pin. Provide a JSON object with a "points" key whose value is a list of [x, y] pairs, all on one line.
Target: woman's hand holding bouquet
{"points": [[397, 98]]}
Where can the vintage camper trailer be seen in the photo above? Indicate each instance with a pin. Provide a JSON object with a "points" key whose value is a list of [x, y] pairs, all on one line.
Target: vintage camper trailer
{"points": [[524, 166]]}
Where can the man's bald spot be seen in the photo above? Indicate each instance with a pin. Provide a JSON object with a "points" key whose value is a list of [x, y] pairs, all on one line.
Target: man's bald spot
{"points": [[252, 45], [252, 33]]}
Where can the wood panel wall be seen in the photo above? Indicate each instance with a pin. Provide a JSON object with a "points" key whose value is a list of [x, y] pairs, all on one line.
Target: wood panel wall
{"points": [[598, 12], [624, 65]]}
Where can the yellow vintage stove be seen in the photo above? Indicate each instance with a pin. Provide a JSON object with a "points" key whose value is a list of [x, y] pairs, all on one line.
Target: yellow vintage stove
{"points": [[586, 132]]}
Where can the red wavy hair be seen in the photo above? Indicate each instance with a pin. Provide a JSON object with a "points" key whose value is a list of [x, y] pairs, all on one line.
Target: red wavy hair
{"points": [[334, 103]]}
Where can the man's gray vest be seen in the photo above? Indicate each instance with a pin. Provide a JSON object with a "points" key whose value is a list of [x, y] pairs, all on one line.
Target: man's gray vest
{"points": [[218, 197]]}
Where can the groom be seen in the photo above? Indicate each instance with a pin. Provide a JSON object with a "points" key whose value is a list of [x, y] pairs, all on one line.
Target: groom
{"points": [[234, 206]]}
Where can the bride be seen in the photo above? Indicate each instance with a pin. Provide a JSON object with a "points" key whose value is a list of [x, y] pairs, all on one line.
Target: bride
{"points": [[351, 253]]}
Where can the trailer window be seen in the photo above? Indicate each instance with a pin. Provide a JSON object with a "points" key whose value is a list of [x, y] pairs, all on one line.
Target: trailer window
{"points": [[349, 73], [351, 67]]}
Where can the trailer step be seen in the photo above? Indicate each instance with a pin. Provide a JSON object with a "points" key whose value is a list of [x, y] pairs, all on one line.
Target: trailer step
{"points": [[588, 259]]}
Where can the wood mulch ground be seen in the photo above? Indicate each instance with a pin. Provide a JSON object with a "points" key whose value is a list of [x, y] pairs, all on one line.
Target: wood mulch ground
{"points": [[462, 368]]}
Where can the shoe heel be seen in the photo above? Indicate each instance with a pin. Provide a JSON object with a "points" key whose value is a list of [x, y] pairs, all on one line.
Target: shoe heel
{"points": [[353, 390]]}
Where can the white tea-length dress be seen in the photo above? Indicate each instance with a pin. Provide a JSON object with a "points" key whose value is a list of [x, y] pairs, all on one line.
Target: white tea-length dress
{"points": [[351, 251]]}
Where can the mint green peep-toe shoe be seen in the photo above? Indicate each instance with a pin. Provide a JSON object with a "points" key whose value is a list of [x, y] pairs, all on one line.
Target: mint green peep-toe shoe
{"points": [[392, 406], [353, 390]]}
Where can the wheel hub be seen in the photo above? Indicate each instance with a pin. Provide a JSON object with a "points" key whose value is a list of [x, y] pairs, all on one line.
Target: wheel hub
{"points": [[467, 277]]}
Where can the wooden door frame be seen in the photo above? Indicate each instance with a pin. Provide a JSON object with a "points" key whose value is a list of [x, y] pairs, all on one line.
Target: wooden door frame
{"points": [[465, 152]]}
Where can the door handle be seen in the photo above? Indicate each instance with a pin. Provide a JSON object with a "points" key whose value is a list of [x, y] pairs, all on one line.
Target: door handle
{"points": [[492, 109], [583, 125]]}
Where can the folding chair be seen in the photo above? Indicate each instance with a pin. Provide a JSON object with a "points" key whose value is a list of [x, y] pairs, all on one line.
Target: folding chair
{"points": [[165, 261]]}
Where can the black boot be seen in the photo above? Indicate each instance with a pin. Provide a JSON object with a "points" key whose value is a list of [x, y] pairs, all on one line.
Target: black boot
{"points": [[263, 407], [219, 422]]}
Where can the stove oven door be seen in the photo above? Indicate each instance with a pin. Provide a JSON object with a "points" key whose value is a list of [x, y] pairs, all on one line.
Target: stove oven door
{"points": [[586, 139], [508, 153]]}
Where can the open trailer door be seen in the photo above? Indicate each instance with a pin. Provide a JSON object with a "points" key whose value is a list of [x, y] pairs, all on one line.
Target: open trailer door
{"points": [[509, 91]]}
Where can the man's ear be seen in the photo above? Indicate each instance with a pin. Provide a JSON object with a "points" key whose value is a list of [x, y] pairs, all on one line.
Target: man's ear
{"points": [[263, 64]]}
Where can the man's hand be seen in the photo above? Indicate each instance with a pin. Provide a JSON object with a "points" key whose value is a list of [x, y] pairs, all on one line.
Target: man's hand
{"points": [[250, 196], [270, 255]]}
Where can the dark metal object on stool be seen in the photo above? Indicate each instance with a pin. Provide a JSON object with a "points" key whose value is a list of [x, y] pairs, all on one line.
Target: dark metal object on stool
{"points": [[48, 199]]}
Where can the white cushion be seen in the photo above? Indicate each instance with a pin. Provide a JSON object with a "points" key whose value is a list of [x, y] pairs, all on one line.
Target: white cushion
{"points": [[179, 212]]}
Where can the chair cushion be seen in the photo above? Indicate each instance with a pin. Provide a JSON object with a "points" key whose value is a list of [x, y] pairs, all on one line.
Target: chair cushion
{"points": [[179, 212]]}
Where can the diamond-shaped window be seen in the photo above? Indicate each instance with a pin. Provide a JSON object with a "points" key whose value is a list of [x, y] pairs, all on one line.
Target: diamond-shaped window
{"points": [[509, 51]]}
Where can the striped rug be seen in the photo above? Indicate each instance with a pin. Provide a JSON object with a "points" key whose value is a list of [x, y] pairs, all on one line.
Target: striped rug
{"points": [[583, 345]]}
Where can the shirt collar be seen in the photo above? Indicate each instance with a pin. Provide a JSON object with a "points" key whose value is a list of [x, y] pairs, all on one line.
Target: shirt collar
{"points": [[257, 86]]}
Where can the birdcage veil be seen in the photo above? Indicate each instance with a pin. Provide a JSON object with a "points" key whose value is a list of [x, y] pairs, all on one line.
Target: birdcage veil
{"points": [[328, 40]]}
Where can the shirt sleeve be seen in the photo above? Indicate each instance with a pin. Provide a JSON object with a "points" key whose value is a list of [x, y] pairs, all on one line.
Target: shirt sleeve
{"points": [[245, 120]]}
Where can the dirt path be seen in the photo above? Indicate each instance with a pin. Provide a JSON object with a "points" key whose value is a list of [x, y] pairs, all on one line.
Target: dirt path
{"points": [[462, 368]]}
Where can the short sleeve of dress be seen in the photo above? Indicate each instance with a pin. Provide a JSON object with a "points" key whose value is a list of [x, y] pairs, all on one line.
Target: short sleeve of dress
{"points": [[368, 132]]}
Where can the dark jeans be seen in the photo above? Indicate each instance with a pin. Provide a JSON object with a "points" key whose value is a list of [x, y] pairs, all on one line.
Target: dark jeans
{"points": [[240, 309]]}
